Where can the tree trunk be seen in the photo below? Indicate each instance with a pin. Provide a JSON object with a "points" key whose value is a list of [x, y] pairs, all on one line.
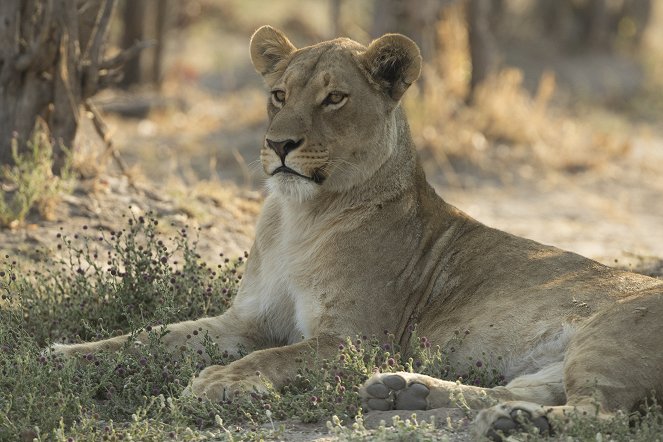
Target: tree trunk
{"points": [[335, 17], [144, 21], [414, 18], [50, 62], [482, 50]]}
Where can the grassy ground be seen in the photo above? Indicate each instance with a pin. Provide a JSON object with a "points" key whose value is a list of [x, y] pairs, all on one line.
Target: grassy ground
{"points": [[97, 283]]}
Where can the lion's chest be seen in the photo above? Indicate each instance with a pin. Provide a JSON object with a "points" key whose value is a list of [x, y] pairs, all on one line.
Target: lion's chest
{"points": [[287, 301]]}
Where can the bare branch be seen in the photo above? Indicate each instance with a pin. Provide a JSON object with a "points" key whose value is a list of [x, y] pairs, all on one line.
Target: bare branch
{"points": [[102, 130], [43, 52], [66, 85], [92, 55], [24, 61], [126, 55], [51, 60], [93, 49], [40, 54]]}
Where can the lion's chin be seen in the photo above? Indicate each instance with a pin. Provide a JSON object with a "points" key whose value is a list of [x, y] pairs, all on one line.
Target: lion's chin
{"points": [[292, 187]]}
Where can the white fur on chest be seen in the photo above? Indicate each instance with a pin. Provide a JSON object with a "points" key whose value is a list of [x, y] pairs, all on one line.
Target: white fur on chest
{"points": [[285, 302]]}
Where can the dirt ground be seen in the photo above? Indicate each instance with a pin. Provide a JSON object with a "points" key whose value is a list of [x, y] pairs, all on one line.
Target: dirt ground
{"points": [[613, 215]]}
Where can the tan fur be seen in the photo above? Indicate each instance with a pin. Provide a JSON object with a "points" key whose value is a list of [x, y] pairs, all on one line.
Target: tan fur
{"points": [[372, 247]]}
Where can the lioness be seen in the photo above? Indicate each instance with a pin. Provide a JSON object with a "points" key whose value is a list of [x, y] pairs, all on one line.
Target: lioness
{"points": [[353, 240]]}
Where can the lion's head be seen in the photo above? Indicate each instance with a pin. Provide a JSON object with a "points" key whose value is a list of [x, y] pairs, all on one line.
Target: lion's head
{"points": [[331, 109]]}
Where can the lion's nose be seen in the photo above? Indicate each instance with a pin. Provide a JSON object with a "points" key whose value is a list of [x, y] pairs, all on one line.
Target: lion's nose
{"points": [[283, 148]]}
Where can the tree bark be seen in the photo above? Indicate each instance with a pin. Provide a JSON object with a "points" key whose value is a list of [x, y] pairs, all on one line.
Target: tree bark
{"points": [[414, 18], [51, 60], [482, 50], [144, 21], [335, 17]]}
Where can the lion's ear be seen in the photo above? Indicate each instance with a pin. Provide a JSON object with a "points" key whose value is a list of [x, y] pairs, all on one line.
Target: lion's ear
{"points": [[270, 50], [394, 62]]}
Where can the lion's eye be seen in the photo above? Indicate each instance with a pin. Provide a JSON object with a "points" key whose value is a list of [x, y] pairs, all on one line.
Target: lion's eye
{"points": [[278, 97], [334, 98]]}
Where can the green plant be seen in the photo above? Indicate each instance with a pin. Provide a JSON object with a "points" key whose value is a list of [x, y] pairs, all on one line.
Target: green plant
{"points": [[105, 281], [400, 430], [100, 283], [30, 183]]}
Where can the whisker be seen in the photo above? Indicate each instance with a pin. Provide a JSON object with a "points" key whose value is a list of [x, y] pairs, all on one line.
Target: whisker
{"points": [[344, 165], [255, 165]]}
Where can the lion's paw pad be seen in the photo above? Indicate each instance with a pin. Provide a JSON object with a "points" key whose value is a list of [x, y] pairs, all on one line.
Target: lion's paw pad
{"points": [[504, 420], [392, 391], [394, 381], [380, 391]]}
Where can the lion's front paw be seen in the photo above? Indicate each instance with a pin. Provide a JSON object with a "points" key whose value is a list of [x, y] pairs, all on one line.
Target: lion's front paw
{"points": [[221, 383], [395, 391], [511, 417]]}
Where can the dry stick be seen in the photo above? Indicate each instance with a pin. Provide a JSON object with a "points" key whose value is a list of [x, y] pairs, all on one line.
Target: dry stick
{"points": [[246, 172], [102, 20], [102, 130], [65, 115], [110, 69], [92, 53], [126, 55]]}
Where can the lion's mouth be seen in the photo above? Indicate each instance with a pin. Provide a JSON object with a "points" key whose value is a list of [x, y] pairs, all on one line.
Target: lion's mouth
{"points": [[318, 177]]}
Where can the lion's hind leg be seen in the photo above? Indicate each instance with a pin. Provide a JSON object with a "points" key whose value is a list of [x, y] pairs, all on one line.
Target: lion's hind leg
{"points": [[612, 363], [509, 417], [535, 397], [518, 416]]}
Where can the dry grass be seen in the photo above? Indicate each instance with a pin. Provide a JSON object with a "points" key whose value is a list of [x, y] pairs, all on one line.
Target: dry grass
{"points": [[506, 126]]}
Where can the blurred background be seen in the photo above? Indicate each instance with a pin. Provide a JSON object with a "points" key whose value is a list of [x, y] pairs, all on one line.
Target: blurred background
{"points": [[494, 68], [540, 117]]}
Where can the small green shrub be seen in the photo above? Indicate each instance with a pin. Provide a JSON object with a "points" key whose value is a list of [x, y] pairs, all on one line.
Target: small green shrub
{"points": [[400, 430], [30, 183], [125, 280], [103, 282]]}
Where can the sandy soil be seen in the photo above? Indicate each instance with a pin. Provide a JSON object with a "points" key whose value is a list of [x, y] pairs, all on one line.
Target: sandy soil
{"points": [[614, 213]]}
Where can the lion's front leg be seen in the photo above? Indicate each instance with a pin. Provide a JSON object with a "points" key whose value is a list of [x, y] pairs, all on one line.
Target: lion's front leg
{"points": [[111, 344], [273, 366], [230, 331]]}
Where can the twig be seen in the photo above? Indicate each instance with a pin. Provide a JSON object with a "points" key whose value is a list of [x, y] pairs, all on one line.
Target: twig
{"points": [[100, 27], [92, 55], [126, 55], [34, 57], [65, 74], [246, 172], [102, 130]]}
